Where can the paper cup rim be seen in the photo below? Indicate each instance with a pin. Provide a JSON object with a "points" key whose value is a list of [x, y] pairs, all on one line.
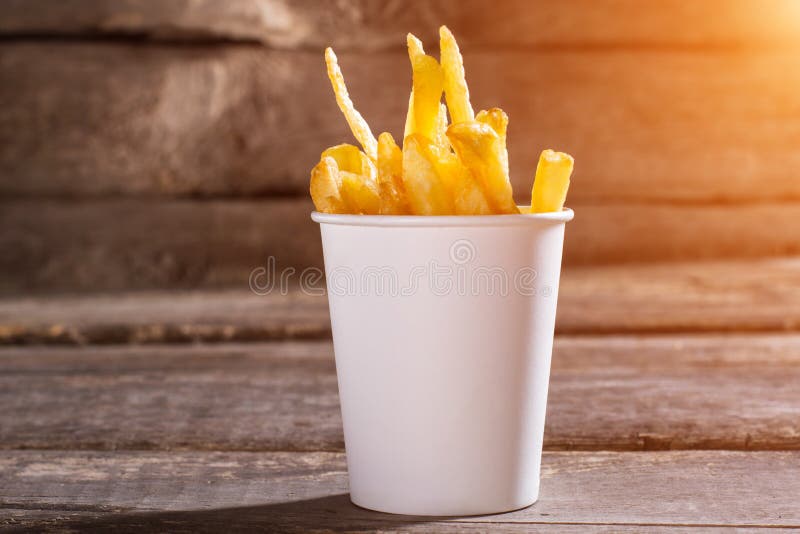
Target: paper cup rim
{"points": [[515, 219]]}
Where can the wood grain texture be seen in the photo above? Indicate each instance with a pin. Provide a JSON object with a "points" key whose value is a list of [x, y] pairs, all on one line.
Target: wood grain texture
{"points": [[381, 25], [130, 244], [645, 393], [104, 119], [177, 20], [637, 233], [733, 296], [656, 126], [307, 492], [48, 521], [750, 296], [164, 317]]}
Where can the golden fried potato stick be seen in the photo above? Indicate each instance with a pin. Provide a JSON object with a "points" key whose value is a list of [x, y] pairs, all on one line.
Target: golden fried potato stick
{"points": [[415, 49], [360, 194], [478, 147], [427, 192], [325, 187], [468, 197], [455, 85], [427, 95], [358, 125], [498, 120], [350, 159], [390, 177], [409, 127], [426, 90], [552, 181], [440, 138]]}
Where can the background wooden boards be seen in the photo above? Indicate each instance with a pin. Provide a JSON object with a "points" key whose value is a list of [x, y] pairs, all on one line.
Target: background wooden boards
{"points": [[683, 119], [645, 393], [645, 126], [382, 25], [135, 244], [154, 146], [742, 296]]}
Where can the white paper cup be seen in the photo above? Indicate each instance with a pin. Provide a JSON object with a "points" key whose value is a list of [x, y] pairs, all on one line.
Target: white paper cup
{"points": [[443, 333]]}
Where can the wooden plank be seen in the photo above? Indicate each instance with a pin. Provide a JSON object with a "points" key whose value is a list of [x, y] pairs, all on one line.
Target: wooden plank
{"points": [[753, 296], [190, 20], [164, 317], [308, 492], [654, 126], [117, 118], [645, 393], [635, 233], [48, 521], [381, 25], [733, 296], [260, 397], [130, 244]]}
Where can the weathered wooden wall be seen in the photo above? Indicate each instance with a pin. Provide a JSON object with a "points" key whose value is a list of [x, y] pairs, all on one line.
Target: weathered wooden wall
{"points": [[163, 144]]}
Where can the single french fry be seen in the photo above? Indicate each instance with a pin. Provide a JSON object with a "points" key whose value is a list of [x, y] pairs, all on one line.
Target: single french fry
{"points": [[498, 120], [440, 138], [455, 84], [325, 187], [426, 91], [350, 159], [390, 177], [552, 181], [358, 125], [409, 127], [427, 95], [415, 49], [468, 197], [478, 147], [426, 190], [360, 194]]}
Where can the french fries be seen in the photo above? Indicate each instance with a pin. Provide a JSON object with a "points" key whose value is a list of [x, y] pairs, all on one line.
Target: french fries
{"points": [[498, 120], [325, 187], [468, 197], [409, 128], [393, 198], [460, 168], [426, 89], [360, 194], [551, 182], [415, 49], [427, 192], [440, 139], [455, 83], [478, 146], [349, 158], [358, 125]]}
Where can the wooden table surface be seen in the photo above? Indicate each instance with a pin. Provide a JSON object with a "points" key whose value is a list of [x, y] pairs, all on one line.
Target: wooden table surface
{"points": [[674, 405]]}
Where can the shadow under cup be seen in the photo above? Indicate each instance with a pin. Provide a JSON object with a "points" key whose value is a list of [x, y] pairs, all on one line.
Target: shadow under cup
{"points": [[443, 334]]}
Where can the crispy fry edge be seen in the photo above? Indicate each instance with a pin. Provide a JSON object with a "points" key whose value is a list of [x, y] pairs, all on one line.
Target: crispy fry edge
{"points": [[358, 125]]}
